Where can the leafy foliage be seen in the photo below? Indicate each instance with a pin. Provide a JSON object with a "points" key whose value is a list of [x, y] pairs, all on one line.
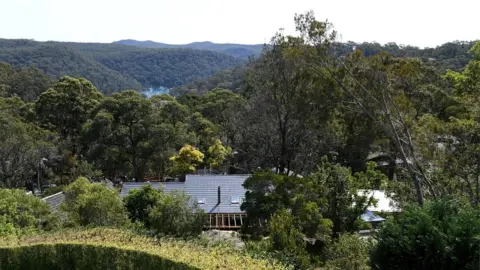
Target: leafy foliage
{"points": [[82, 256], [218, 154], [327, 200], [165, 214], [20, 212], [22, 145], [110, 246], [140, 202], [92, 204], [442, 234], [173, 215], [287, 240], [232, 78], [186, 160], [67, 105], [27, 83], [349, 252]]}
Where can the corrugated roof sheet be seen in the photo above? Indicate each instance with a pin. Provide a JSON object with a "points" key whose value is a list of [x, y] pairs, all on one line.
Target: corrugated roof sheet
{"points": [[205, 188], [167, 187], [55, 200], [369, 216]]}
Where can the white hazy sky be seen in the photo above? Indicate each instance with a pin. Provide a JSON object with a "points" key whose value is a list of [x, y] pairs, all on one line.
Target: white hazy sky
{"points": [[413, 22]]}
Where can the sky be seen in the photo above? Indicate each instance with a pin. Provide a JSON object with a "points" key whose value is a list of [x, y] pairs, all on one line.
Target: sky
{"points": [[423, 23]]}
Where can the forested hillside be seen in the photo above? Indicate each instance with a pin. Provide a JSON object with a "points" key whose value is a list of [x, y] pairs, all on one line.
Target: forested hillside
{"points": [[453, 55], [114, 67], [57, 59], [237, 50], [228, 79], [26, 83]]}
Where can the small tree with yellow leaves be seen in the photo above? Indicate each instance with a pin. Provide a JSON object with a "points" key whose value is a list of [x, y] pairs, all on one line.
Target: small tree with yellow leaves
{"points": [[218, 154], [186, 161]]}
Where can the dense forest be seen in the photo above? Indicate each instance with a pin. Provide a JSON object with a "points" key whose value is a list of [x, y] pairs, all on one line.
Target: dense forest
{"points": [[236, 50], [115, 67], [314, 123], [453, 55]]}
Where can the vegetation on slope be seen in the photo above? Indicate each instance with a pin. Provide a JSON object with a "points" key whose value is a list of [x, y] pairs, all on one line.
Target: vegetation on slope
{"points": [[56, 60], [113, 67], [237, 50], [452, 55], [97, 247], [232, 79], [26, 83]]}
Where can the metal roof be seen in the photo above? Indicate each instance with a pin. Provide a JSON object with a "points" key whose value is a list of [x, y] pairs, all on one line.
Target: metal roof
{"points": [[167, 187], [369, 216], [204, 188], [55, 200]]}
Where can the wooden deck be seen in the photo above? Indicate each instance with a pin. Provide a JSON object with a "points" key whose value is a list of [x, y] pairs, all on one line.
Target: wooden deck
{"points": [[225, 221]]}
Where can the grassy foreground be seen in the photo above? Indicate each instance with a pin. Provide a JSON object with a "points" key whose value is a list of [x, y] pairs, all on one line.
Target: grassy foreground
{"points": [[119, 249]]}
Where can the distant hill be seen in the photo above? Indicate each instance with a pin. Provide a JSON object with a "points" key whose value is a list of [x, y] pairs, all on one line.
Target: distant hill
{"points": [[112, 67], [236, 50]]}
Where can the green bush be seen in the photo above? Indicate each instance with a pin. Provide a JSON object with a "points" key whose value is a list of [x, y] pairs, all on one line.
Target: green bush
{"points": [[82, 257], [20, 212], [442, 234], [103, 248], [287, 242], [93, 204], [348, 252], [139, 202], [173, 215]]}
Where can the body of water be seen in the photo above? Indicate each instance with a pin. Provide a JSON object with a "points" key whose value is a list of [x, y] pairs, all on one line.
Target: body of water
{"points": [[150, 92]]}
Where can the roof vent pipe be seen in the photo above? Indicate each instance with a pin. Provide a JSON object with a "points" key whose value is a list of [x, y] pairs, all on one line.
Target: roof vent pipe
{"points": [[219, 195]]}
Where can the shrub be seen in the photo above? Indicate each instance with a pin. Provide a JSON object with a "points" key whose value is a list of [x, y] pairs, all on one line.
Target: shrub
{"points": [[101, 248], [287, 241], [442, 234], [93, 204], [82, 257], [173, 215], [348, 252], [139, 202], [20, 211]]}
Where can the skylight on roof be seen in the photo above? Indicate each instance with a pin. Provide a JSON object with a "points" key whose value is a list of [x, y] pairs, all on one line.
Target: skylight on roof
{"points": [[235, 200], [201, 200]]}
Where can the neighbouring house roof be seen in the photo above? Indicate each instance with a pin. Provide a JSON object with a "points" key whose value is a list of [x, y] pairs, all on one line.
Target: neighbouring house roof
{"points": [[204, 190], [369, 216], [383, 204], [166, 187], [54, 201]]}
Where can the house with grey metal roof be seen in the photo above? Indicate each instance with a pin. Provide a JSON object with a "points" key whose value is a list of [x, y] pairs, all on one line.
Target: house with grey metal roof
{"points": [[220, 196], [54, 201]]}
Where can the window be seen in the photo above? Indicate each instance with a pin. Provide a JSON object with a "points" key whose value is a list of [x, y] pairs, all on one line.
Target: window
{"points": [[235, 200], [201, 200]]}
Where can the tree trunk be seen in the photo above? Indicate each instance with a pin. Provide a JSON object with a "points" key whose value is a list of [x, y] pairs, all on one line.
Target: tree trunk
{"points": [[477, 187]]}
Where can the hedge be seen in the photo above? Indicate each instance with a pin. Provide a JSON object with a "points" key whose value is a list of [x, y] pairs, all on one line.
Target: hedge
{"points": [[82, 257], [101, 248]]}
